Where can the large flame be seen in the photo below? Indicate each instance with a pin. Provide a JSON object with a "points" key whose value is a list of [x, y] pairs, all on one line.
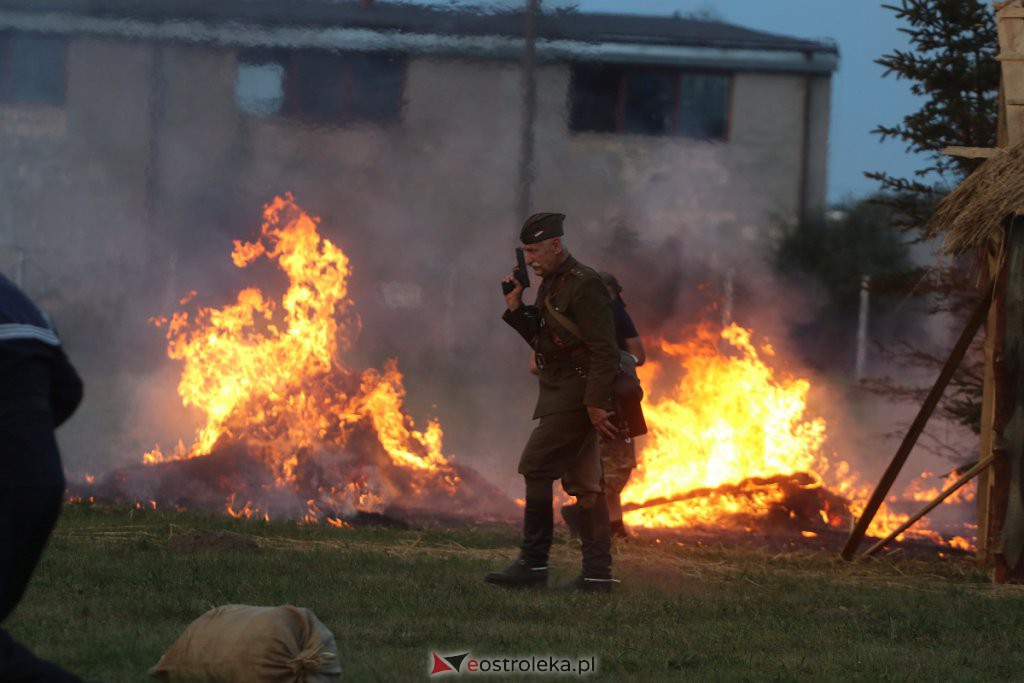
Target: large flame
{"points": [[729, 438], [269, 374]]}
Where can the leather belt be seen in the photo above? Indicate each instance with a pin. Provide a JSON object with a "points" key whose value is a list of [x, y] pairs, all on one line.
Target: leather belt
{"points": [[576, 355]]}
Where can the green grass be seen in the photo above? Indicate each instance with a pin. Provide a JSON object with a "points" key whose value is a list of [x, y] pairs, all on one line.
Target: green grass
{"points": [[116, 587]]}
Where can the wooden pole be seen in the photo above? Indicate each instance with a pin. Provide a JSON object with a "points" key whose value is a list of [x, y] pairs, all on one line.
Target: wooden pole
{"points": [[898, 460], [1009, 131], [1007, 497], [862, 327], [954, 487], [991, 265], [692, 494], [799, 479]]}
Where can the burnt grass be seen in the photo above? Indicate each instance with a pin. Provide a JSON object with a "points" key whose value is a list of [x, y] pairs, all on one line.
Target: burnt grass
{"points": [[117, 586]]}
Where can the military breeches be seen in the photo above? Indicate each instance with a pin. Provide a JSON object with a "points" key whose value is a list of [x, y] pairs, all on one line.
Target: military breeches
{"points": [[618, 458], [564, 446]]}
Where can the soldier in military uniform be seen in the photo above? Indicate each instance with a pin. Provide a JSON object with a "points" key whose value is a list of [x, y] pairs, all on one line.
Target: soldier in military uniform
{"points": [[576, 371]]}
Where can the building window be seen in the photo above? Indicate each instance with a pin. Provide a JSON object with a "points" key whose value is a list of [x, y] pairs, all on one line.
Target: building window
{"points": [[259, 88], [32, 68], [649, 101], [323, 86]]}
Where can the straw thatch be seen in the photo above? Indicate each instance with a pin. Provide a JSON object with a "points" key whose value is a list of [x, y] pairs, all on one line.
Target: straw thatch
{"points": [[974, 212]]}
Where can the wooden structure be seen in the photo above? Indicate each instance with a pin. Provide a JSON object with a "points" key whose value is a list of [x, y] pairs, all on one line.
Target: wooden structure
{"points": [[985, 215]]}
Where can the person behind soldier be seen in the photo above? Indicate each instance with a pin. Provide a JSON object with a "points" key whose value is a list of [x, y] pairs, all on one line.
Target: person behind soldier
{"points": [[574, 404], [618, 456], [39, 389]]}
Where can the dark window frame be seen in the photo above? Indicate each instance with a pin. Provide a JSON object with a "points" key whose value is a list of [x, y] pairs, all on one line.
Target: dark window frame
{"points": [[348, 88], [674, 129], [8, 96]]}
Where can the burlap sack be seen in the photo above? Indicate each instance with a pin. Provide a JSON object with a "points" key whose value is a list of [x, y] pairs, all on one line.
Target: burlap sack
{"points": [[243, 644]]}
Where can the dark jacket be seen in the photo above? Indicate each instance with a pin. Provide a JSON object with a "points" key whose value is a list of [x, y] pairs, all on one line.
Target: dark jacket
{"points": [[39, 389], [584, 368]]}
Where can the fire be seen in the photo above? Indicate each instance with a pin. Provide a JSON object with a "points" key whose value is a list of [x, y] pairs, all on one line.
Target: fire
{"points": [[920, 492], [730, 440], [270, 374], [724, 419]]}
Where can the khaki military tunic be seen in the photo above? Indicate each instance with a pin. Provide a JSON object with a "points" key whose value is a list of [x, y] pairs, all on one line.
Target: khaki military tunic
{"points": [[573, 373], [585, 377]]}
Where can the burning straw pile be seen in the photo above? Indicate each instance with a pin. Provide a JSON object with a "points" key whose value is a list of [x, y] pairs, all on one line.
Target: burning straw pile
{"points": [[290, 431], [732, 446]]}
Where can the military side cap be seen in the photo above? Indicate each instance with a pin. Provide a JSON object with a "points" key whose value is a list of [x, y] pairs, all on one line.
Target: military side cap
{"points": [[542, 226]]}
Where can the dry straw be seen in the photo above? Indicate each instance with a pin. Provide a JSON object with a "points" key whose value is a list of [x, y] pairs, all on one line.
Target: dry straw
{"points": [[974, 212]]}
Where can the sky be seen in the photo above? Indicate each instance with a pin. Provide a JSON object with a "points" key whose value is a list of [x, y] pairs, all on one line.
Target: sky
{"points": [[861, 97]]}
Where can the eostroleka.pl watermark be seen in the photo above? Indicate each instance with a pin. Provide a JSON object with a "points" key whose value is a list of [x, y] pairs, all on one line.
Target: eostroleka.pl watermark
{"points": [[525, 665]]}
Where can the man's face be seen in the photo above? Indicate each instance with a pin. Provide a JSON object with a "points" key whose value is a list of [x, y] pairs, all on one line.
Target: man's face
{"points": [[543, 257]]}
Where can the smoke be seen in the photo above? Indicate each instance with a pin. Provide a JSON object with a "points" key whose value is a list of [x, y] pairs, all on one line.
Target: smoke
{"points": [[135, 197]]}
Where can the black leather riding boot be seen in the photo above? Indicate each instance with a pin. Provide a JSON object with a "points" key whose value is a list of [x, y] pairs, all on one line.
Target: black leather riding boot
{"points": [[571, 517], [596, 541], [531, 569], [538, 529]]}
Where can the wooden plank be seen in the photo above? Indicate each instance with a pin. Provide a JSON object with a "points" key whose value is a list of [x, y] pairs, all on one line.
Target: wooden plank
{"points": [[972, 152], [903, 452], [1002, 135], [1011, 13], [1009, 45], [1014, 123], [1013, 76], [990, 265], [1010, 30]]}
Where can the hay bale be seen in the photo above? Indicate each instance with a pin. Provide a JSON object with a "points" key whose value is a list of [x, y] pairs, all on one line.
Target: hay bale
{"points": [[245, 644]]}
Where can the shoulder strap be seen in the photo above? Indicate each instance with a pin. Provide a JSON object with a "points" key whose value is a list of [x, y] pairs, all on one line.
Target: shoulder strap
{"points": [[564, 321]]}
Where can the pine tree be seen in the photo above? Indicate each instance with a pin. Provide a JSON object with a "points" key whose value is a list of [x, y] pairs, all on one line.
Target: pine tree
{"points": [[952, 65]]}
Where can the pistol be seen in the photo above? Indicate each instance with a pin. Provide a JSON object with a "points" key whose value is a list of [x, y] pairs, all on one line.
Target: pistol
{"points": [[519, 273]]}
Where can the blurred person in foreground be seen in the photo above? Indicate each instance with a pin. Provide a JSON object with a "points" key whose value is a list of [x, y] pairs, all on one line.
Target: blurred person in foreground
{"points": [[618, 456], [571, 332], [39, 390]]}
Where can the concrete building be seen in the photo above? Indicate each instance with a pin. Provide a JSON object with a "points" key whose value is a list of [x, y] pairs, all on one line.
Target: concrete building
{"points": [[137, 139]]}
